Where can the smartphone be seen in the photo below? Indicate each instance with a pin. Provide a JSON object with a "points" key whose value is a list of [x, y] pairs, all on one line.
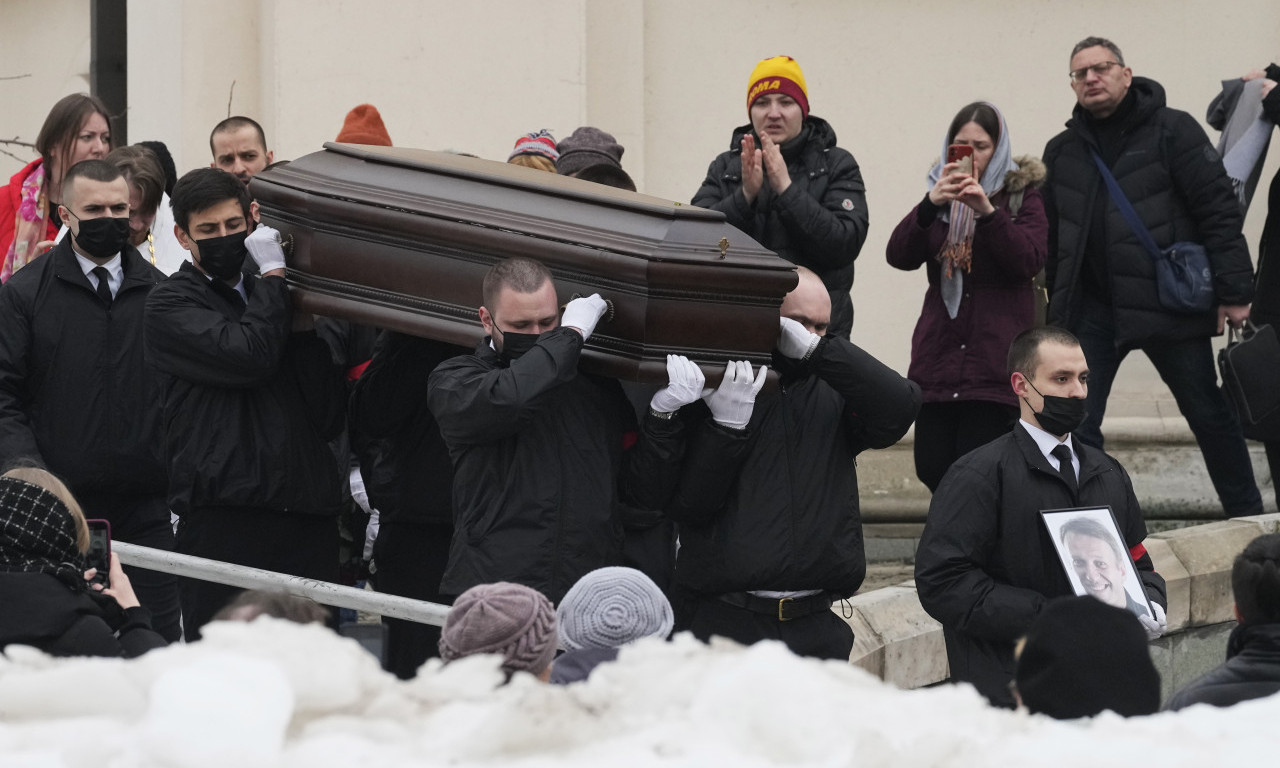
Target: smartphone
{"points": [[99, 555], [962, 154]]}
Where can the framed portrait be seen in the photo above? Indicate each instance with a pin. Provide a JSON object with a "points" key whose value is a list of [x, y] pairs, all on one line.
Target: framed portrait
{"points": [[1095, 558]]}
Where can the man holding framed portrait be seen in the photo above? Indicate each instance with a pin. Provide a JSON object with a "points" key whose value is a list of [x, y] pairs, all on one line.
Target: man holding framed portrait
{"points": [[987, 563]]}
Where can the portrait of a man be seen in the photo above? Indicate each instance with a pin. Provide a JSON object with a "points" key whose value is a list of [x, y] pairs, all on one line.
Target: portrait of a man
{"points": [[1100, 564]]}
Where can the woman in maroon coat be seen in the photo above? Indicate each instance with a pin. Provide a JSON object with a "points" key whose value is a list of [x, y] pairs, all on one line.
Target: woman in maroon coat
{"points": [[981, 238]]}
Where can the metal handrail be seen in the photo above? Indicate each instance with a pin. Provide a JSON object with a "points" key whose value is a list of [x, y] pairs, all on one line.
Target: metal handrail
{"points": [[242, 576]]}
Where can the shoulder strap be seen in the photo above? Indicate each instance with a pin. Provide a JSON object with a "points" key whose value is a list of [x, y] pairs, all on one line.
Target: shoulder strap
{"points": [[1126, 210]]}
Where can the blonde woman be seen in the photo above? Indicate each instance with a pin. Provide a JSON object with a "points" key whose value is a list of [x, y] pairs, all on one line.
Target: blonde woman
{"points": [[45, 597]]}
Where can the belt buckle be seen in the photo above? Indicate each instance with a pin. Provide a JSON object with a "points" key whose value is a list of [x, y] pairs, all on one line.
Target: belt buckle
{"points": [[781, 603]]}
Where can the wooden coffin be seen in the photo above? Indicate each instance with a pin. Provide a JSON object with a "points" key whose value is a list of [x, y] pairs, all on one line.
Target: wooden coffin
{"points": [[401, 239]]}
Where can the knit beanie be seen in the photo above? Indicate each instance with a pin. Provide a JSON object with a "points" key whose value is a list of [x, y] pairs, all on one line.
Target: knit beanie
{"points": [[1083, 656], [610, 607], [364, 126], [511, 620], [586, 147], [537, 143], [780, 74]]}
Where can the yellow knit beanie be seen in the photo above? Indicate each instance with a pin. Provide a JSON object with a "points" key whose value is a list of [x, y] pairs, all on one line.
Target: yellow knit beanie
{"points": [[780, 74]]}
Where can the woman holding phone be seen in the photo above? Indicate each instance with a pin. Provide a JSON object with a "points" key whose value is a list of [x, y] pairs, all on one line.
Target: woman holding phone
{"points": [[981, 234], [47, 598]]}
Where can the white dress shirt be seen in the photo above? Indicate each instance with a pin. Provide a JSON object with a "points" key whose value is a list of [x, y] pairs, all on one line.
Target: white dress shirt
{"points": [[115, 272], [1047, 442]]}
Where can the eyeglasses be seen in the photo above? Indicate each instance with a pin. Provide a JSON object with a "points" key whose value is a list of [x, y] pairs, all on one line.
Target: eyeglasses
{"points": [[1078, 75]]}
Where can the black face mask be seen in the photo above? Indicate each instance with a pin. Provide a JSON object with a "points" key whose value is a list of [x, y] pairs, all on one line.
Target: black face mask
{"points": [[222, 257], [514, 344], [1059, 415], [102, 238]]}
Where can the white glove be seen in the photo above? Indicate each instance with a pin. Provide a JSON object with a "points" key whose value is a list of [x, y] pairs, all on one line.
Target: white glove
{"points": [[732, 402], [264, 246], [684, 385], [796, 341], [1157, 626], [583, 314]]}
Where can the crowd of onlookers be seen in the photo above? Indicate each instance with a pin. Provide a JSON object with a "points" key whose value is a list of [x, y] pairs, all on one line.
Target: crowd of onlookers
{"points": [[155, 374]]}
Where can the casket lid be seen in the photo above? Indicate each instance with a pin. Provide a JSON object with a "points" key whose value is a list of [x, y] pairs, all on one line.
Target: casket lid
{"points": [[461, 188]]}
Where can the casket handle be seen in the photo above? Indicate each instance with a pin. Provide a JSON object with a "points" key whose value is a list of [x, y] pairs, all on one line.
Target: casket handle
{"points": [[608, 315], [286, 244]]}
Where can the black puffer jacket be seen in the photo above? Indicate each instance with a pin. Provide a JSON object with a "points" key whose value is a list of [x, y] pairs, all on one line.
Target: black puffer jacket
{"points": [[37, 609], [820, 222], [1267, 307], [75, 391], [1252, 670], [775, 506], [537, 449], [248, 405], [986, 564], [1175, 181]]}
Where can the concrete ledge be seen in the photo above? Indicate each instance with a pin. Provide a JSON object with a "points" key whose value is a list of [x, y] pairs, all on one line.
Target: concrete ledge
{"points": [[1206, 553], [902, 644], [1159, 453], [897, 641]]}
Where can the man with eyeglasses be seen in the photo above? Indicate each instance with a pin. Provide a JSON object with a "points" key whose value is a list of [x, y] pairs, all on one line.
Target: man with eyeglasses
{"points": [[1102, 280]]}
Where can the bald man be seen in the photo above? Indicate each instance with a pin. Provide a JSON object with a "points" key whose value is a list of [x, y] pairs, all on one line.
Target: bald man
{"points": [[767, 502]]}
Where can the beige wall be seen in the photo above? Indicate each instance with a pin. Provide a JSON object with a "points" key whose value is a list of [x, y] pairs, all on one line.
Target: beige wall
{"points": [[44, 55], [667, 77]]}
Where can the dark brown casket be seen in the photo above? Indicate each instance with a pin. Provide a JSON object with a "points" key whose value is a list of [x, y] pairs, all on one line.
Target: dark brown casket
{"points": [[402, 238]]}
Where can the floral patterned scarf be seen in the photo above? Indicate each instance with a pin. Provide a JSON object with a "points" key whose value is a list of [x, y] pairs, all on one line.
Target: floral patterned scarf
{"points": [[30, 224]]}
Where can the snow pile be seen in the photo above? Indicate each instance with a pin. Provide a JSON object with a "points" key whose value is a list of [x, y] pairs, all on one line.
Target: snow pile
{"points": [[278, 694]]}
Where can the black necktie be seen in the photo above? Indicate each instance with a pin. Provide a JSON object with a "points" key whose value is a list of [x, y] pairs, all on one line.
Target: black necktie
{"points": [[1068, 472], [104, 286]]}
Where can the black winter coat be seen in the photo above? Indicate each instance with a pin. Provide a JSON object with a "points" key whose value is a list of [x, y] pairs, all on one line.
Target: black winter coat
{"points": [[248, 405], [37, 609], [986, 564], [775, 506], [536, 449], [1175, 181], [820, 222], [76, 394], [404, 461], [1266, 308], [1252, 671]]}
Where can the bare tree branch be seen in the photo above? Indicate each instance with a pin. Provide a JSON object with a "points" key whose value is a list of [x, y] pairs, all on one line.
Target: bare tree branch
{"points": [[15, 157], [14, 77], [230, 96], [15, 141]]}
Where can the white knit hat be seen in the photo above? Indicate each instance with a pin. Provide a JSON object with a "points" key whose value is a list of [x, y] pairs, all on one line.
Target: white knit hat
{"points": [[611, 607]]}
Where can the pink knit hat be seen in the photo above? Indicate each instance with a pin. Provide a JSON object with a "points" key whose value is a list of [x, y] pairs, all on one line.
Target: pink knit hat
{"points": [[511, 620]]}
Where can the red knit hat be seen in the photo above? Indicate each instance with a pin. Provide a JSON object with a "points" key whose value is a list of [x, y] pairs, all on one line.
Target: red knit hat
{"points": [[537, 143], [364, 126], [780, 74]]}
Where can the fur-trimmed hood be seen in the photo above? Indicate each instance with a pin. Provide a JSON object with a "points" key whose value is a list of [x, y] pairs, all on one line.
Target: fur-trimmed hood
{"points": [[1029, 174]]}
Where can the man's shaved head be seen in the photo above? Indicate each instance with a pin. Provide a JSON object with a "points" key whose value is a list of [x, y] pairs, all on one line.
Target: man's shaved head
{"points": [[808, 303]]}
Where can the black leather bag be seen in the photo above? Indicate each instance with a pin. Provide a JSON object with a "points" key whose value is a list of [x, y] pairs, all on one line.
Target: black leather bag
{"points": [[1184, 280], [1250, 368]]}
